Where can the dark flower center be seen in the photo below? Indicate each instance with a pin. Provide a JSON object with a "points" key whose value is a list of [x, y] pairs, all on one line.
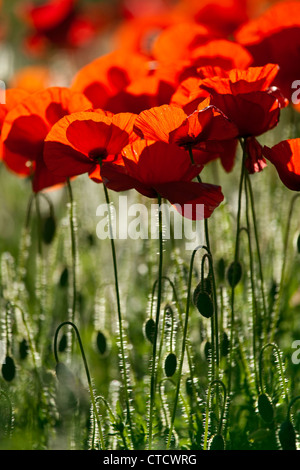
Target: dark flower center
{"points": [[98, 154]]}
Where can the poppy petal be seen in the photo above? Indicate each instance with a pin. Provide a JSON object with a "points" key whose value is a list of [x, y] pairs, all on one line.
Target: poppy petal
{"points": [[285, 158], [157, 123], [193, 200]]}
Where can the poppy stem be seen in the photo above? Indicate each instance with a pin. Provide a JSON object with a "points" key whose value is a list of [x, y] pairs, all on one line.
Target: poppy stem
{"points": [[214, 319], [158, 304], [251, 198], [218, 383], [200, 181], [236, 257], [185, 331], [276, 315], [254, 302], [120, 320], [279, 365], [73, 249], [39, 224], [86, 371]]}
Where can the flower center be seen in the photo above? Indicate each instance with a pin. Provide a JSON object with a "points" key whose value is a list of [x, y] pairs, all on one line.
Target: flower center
{"points": [[98, 154]]}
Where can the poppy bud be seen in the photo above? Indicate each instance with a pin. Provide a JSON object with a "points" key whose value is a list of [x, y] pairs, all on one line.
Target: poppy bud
{"points": [[49, 229], [149, 329], [205, 305], [221, 269], [224, 344], [217, 443], [64, 278], [8, 369], [62, 343], [287, 436], [23, 349], [101, 342], [170, 364], [265, 408], [234, 273]]}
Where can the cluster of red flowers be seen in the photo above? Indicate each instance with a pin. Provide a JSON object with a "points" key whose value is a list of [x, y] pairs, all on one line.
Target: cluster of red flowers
{"points": [[152, 113]]}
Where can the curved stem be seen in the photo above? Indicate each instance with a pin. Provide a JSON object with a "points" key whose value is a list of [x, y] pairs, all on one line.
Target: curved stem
{"points": [[274, 346], [284, 260], [188, 353], [214, 382], [86, 371], [120, 319], [188, 301], [159, 292], [290, 406]]}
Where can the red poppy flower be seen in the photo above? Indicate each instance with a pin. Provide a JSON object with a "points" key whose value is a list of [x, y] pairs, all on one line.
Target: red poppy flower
{"points": [[204, 130], [105, 77], [138, 34], [285, 156], [188, 95], [222, 16], [13, 96], [26, 126], [171, 124], [143, 93], [191, 36], [49, 21], [221, 53], [84, 141], [245, 97], [275, 37], [58, 23], [156, 167], [32, 78]]}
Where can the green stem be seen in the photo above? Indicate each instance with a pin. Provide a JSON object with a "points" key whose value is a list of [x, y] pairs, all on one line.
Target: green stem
{"points": [[200, 181], [290, 407], [120, 319], [38, 214], [214, 319], [284, 260], [73, 249], [86, 371], [159, 292], [188, 301], [214, 382], [188, 353], [10, 426], [281, 371], [254, 218], [236, 257], [254, 303]]}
